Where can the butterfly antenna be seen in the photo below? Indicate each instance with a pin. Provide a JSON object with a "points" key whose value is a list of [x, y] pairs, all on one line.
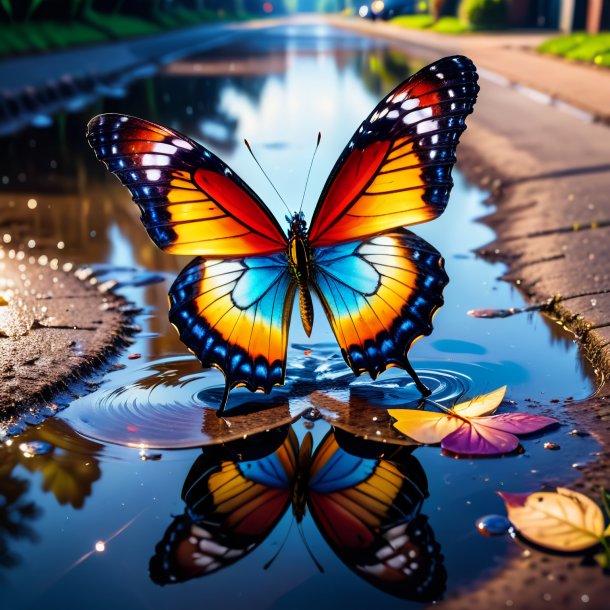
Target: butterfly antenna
{"points": [[265, 173], [318, 564], [268, 564], [309, 171]]}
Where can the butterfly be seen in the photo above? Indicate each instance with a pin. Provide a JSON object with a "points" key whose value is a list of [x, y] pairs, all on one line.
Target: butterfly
{"points": [[367, 508], [378, 283]]}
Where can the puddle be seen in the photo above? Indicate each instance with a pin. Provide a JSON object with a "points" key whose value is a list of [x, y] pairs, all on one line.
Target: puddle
{"points": [[106, 505]]}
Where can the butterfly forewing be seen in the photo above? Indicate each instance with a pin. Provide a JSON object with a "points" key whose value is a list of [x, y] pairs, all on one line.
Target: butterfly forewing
{"points": [[191, 202], [396, 169]]}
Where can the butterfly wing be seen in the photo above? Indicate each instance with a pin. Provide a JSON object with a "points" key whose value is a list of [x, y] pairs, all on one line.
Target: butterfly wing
{"points": [[380, 296], [396, 169], [231, 507], [191, 202], [234, 315], [367, 510]]}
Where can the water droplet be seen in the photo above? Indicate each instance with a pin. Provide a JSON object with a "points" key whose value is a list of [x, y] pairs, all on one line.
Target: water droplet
{"points": [[552, 446], [100, 546], [33, 448], [153, 457], [493, 525], [134, 356], [577, 433], [312, 414]]}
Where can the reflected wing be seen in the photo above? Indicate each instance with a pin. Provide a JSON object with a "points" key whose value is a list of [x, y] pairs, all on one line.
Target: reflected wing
{"points": [[234, 315], [396, 169], [367, 511], [231, 507], [191, 202], [380, 296]]}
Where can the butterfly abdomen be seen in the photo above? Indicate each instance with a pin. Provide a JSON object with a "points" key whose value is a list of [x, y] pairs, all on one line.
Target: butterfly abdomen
{"points": [[299, 258]]}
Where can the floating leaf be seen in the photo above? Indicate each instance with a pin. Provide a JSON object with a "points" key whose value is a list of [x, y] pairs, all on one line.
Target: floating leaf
{"points": [[564, 520], [470, 428]]}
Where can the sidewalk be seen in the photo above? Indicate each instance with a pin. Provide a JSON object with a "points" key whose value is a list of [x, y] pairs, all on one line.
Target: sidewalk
{"points": [[510, 56], [34, 87], [37, 70]]}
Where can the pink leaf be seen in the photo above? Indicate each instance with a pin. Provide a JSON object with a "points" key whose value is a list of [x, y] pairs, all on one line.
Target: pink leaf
{"points": [[478, 439], [517, 423]]}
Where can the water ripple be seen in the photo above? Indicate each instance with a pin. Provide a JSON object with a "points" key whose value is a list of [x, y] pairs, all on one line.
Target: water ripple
{"points": [[171, 402]]}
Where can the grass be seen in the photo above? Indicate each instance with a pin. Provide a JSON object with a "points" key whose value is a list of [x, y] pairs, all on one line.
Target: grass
{"points": [[38, 36], [590, 48], [22, 38], [445, 25]]}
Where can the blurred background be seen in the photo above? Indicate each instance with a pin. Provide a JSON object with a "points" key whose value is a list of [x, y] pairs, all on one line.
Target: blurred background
{"points": [[39, 25]]}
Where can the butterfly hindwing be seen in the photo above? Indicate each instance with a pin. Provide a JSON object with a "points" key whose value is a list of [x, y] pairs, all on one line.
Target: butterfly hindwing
{"points": [[367, 511], [396, 169], [234, 315], [191, 201], [380, 296]]}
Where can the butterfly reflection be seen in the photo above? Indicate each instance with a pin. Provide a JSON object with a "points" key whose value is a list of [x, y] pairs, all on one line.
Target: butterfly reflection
{"points": [[364, 497]]}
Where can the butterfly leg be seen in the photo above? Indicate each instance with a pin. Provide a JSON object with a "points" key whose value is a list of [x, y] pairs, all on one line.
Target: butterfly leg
{"points": [[225, 399], [424, 390]]}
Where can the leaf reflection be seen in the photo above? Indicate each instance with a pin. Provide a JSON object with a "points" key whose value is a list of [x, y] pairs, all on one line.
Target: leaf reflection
{"points": [[68, 471], [364, 497]]}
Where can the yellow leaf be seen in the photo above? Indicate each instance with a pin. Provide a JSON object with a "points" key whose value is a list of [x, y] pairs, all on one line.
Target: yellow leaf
{"points": [[485, 404], [563, 521], [607, 531], [424, 426]]}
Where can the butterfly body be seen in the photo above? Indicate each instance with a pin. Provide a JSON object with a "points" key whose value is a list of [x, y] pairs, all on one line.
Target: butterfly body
{"points": [[300, 257], [301, 478], [379, 284]]}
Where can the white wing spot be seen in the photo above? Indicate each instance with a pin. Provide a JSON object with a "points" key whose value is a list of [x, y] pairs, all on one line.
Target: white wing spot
{"points": [[400, 97], [148, 160], [426, 126], [153, 174], [440, 75], [393, 114], [410, 104], [181, 143], [161, 147], [417, 115]]}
